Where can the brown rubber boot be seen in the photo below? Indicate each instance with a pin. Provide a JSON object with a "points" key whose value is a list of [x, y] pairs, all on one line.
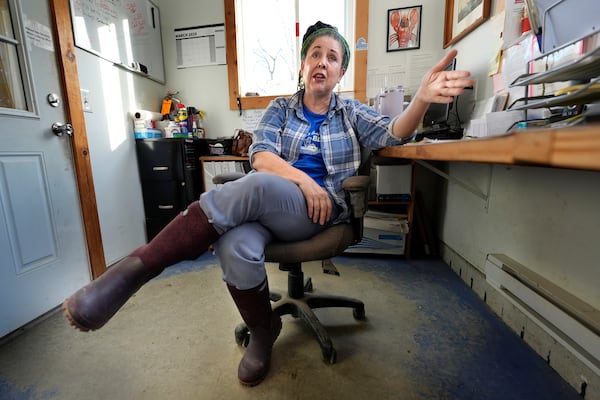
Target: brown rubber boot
{"points": [[254, 306], [187, 236]]}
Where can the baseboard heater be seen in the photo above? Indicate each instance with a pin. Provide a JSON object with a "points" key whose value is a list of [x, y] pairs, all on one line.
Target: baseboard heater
{"points": [[569, 320]]}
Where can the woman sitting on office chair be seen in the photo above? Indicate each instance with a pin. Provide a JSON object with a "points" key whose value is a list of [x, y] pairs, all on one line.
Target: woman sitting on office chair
{"points": [[304, 147]]}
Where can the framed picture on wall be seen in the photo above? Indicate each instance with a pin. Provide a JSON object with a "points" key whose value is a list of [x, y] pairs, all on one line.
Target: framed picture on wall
{"points": [[404, 28], [463, 16]]}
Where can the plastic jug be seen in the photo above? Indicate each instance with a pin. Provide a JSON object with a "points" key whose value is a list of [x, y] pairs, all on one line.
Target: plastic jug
{"points": [[390, 101]]}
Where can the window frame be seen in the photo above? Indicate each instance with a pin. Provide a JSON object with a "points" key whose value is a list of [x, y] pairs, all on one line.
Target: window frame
{"points": [[239, 102], [22, 51]]}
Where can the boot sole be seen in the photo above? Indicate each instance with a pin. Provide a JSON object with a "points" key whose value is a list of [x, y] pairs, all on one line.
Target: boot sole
{"points": [[72, 321]]}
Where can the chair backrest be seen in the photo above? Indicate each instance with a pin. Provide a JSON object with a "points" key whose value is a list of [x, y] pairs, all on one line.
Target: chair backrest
{"points": [[365, 161]]}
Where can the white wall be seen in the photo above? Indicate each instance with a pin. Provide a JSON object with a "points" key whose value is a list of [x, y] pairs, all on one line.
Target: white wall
{"points": [[202, 87], [545, 218], [431, 34], [207, 87], [113, 93]]}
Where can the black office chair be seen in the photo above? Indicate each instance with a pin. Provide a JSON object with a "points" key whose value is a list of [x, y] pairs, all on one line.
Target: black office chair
{"points": [[299, 302]]}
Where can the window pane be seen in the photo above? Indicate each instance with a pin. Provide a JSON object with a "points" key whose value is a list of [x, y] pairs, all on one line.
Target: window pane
{"points": [[11, 88], [268, 50], [12, 94], [5, 24], [266, 46]]}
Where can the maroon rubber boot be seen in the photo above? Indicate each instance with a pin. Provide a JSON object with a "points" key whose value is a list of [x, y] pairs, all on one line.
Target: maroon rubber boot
{"points": [[254, 306], [186, 237]]}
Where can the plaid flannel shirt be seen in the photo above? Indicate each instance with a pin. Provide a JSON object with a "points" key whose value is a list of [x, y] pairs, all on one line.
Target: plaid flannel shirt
{"points": [[349, 126]]}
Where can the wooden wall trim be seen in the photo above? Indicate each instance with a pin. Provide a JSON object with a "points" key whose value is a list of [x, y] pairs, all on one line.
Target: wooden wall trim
{"points": [[67, 62], [361, 23]]}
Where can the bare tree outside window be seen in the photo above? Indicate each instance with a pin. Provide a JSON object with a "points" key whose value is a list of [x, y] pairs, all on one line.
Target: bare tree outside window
{"points": [[268, 49]]}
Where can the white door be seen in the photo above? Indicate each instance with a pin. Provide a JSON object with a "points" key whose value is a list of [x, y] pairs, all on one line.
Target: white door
{"points": [[43, 254]]}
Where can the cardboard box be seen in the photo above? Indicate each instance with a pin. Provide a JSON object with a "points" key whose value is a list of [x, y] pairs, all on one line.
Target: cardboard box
{"points": [[383, 233]]}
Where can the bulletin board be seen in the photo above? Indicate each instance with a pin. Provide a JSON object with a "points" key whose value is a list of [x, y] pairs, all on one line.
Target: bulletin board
{"points": [[126, 32]]}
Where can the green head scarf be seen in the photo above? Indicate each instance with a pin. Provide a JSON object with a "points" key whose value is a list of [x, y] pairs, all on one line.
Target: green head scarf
{"points": [[322, 29]]}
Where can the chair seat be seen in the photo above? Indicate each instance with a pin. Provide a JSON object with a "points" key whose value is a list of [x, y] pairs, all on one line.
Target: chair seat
{"points": [[331, 242]]}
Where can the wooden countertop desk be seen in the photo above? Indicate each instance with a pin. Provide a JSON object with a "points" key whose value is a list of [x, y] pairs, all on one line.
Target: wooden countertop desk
{"points": [[574, 147]]}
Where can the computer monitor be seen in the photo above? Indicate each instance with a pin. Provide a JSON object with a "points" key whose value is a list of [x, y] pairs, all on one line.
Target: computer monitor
{"points": [[438, 114]]}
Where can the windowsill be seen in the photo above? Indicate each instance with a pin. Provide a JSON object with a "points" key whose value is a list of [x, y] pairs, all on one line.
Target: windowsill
{"points": [[261, 102]]}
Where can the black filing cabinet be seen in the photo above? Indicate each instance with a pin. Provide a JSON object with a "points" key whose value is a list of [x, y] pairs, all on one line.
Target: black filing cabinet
{"points": [[171, 178]]}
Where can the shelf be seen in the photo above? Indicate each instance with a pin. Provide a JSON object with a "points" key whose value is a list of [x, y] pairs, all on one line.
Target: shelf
{"points": [[584, 73], [575, 147], [580, 94], [585, 68]]}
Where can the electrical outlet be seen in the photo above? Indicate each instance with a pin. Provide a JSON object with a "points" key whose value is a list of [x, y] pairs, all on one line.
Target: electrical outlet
{"points": [[85, 100]]}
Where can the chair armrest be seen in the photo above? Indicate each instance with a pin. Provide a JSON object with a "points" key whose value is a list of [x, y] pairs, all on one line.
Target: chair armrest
{"points": [[357, 182], [227, 177], [357, 188]]}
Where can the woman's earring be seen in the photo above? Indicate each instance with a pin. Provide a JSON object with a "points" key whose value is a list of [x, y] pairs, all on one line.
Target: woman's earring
{"points": [[300, 82]]}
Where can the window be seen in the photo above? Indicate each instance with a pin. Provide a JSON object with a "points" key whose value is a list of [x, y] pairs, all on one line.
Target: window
{"points": [[12, 91], [268, 53], [263, 57]]}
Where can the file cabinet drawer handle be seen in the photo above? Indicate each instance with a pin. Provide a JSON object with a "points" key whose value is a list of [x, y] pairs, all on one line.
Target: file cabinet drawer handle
{"points": [[166, 207], [160, 168]]}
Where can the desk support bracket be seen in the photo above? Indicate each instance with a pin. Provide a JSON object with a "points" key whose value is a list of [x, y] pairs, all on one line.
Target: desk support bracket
{"points": [[465, 185]]}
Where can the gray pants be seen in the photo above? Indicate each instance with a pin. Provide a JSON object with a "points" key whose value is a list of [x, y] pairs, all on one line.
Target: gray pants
{"points": [[249, 213]]}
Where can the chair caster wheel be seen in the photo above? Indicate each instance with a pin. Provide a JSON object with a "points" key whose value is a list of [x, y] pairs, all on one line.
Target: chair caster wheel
{"points": [[359, 313], [329, 355], [242, 335]]}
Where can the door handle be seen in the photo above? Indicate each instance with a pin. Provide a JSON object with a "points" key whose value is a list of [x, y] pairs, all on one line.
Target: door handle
{"points": [[59, 129]]}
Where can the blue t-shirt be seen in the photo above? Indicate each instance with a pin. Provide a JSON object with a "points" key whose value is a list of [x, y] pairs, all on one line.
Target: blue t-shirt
{"points": [[310, 159]]}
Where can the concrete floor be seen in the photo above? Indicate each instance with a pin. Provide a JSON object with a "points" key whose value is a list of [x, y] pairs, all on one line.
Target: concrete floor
{"points": [[427, 336]]}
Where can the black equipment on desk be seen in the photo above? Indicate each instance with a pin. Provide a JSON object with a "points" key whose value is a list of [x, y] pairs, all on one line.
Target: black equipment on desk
{"points": [[438, 113], [440, 133], [435, 121]]}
